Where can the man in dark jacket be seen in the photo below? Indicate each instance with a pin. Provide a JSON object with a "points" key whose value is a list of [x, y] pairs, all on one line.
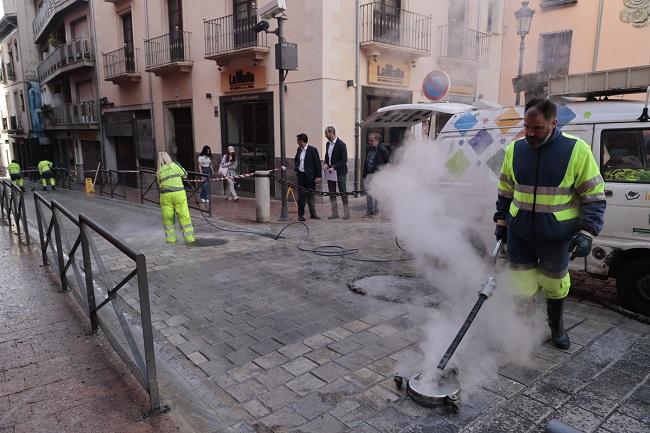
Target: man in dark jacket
{"points": [[336, 161], [309, 172], [376, 156]]}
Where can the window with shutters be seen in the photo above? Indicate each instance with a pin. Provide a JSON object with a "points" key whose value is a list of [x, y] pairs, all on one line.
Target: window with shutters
{"points": [[554, 53]]}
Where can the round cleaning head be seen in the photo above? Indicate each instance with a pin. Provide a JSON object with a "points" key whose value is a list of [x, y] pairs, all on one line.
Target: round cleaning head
{"points": [[433, 390]]}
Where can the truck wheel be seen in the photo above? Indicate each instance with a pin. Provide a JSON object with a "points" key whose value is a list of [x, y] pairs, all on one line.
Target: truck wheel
{"points": [[633, 285]]}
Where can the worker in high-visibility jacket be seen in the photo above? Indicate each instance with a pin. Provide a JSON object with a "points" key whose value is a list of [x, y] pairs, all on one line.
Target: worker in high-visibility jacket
{"points": [[46, 171], [551, 203], [173, 200], [15, 175]]}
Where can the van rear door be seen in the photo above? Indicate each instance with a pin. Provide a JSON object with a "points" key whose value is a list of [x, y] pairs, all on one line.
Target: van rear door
{"points": [[624, 158]]}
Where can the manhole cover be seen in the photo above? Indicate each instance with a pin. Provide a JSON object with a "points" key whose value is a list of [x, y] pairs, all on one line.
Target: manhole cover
{"points": [[208, 242], [399, 289]]}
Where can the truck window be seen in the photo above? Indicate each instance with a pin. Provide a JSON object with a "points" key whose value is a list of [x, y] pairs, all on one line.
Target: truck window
{"points": [[626, 155]]}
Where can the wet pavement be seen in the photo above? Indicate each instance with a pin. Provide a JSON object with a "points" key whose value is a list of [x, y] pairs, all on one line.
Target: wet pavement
{"points": [[54, 376], [255, 335]]}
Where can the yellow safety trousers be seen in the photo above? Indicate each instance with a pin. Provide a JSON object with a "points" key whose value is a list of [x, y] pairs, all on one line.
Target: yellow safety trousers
{"points": [[172, 204], [526, 283]]}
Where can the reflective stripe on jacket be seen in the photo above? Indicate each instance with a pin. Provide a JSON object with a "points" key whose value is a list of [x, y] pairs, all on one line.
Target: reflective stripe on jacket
{"points": [[550, 192], [13, 168], [170, 178], [44, 166]]}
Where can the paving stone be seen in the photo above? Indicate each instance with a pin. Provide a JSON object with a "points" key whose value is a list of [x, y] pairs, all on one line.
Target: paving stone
{"points": [[245, 372], [474, 405], [271, 360], [383, 330], [265, 346], [324, 424], [394, 342], [322, 355], [528, 408], [502, 421], [504, 386], [176, 320], [375, 351], [317, 341], [176, 340], [547, 394], [595, 403], [293, 351], [283, 420], [277, 398], [255, 408], [553, 355], [344, 347], [299, 366], [613, 383], [620, 423], [636, 409], [390, 420], [365, 338], [242, 356], [330, 372], [337, 334], [564, 382], [384, 366], [197, 358], [305, 384], [311, 406], [577, 418], [352, 413], [377, 397], [246, 390], [353, 361], [364, 377], [356, 326], [431, 425], [274, 377]]}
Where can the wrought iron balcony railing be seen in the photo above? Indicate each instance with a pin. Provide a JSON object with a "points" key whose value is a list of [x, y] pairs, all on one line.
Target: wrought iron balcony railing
{"points": [[82, 113], [173, 47], [75, 52], [227, 34], [46, 12], [120, 62], [397, 27], [464, 44], [14, 124]]}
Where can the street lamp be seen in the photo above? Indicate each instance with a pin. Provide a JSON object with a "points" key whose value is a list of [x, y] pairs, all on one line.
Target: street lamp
{"points": [[524, 17]]}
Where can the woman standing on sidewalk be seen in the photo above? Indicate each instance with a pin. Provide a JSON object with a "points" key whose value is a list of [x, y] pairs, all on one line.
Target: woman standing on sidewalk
{"points": [[229, 169], [205, 164]]}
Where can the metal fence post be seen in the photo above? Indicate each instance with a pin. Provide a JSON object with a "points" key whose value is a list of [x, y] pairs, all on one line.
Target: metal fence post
{"points": [[88, 272], [23, 214], [39, 222], [147, 332], [140, 186], [59, 251]]}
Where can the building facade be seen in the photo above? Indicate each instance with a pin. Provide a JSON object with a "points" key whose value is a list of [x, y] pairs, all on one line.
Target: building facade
{"points": [[572, 37]]}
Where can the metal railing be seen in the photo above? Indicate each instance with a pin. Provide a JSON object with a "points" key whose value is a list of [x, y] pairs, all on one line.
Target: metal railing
{"points": [[228, 33], [94, 291], [148, 182], [121, 61], [113, 183], [392, 26], [67, 54], [463, 43], [11, 72], [12, 205], [83, 113], [15, 124], [43, 15], [169, 48]]}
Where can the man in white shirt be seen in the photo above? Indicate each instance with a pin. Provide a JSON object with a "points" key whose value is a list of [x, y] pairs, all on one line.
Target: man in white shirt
{"points": [[308, 171]]}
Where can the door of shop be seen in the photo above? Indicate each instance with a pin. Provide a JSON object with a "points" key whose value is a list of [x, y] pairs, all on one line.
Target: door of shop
{"points": [[125, 159], [375, 98], [247, 125], [184, 137]]}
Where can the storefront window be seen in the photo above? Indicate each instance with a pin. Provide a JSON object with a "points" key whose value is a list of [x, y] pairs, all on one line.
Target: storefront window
{"points": [[626, 155]]}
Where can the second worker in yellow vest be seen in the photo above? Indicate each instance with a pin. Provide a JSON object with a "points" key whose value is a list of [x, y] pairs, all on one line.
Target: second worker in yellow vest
{"points": [[173, 200], [14, 174], [46, 171]]}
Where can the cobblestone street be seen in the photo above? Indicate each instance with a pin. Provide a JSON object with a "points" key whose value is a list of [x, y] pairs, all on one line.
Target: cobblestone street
{"points": [[255, 335]]}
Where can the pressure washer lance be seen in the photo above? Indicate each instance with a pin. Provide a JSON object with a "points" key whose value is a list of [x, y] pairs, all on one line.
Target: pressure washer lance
{"points": [[445, 388]]}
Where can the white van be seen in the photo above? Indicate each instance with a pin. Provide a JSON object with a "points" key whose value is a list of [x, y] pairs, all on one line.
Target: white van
{"points": [[475, 142]]}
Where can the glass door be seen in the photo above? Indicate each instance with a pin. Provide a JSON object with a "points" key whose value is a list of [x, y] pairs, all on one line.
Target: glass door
{"points": [[129, 50], [245, 17], [175, 16]]}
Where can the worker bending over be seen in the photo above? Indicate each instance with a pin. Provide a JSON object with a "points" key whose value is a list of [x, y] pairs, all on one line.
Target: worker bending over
{"points": [[46, 171]]}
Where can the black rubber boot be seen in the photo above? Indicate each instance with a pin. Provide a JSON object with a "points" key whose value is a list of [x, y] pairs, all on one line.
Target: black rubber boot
{"points": [[559, 336]]}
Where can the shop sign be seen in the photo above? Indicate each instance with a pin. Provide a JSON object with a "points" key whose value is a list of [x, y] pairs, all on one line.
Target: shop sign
{"points": [[387, 72], [243, 79]]}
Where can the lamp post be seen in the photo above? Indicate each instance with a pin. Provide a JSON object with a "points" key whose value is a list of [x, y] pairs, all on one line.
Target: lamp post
{"points": [[524, 17]]}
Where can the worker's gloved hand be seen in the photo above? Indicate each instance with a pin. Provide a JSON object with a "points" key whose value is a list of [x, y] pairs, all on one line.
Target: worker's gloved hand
{"points": [[501, 233], [580, 245]]}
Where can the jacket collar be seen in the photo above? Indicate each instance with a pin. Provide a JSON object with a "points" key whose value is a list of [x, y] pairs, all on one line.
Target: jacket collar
{"points": [[554, 136]]}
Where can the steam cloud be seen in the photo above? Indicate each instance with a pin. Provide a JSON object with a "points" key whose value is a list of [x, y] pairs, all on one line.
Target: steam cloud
{"points": [[434, 222]]}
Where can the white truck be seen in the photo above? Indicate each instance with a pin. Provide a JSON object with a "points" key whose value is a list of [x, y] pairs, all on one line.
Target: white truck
{"points": [[620, 140]]}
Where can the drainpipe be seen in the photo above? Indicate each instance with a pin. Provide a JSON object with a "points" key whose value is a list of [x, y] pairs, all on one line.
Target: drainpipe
{"points": [[598, 28], [153, 116], [357, 98], [98, 108]]}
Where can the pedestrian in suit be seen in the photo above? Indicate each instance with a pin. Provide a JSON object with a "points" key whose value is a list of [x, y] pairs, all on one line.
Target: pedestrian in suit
{"points": [[309, 172], [336, 160], [376, 156]]}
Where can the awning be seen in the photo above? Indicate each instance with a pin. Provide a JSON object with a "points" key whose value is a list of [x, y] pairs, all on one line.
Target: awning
{"points": [[405, 115]]}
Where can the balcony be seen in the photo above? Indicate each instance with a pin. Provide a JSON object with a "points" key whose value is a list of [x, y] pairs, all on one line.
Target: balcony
{"points": [[71, 55], [168, 53], [227, 38], [15, 126], [46, 13], [394, 30], [82, 115], [120, 66], [465, 45]]}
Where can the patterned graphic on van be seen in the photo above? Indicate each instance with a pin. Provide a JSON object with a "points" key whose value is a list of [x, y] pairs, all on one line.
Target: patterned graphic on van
{"points": [[564, 115], [496, 161], [481, 141], [465, 122], [508, 120], [458, 163]]}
